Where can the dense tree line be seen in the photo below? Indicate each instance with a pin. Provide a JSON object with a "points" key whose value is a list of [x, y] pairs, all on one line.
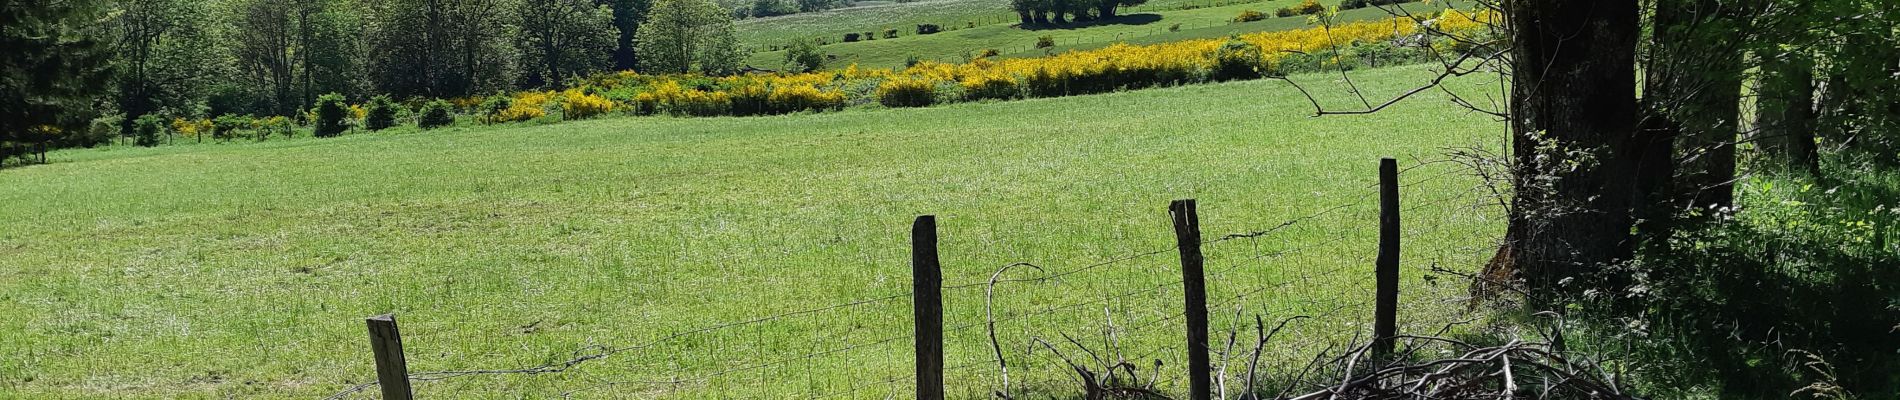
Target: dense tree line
{"points": [[203, 59]]}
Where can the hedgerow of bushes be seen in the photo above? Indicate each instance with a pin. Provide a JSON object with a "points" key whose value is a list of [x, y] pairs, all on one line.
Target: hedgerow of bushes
{"points": [[921, 83]]}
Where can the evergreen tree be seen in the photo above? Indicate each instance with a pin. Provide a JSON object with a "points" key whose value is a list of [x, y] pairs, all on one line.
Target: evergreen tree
{"points": [[52, 70]]}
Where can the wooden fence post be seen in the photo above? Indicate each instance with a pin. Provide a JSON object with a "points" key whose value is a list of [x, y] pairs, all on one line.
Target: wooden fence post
{"points": [[927, 301], [1187, 235], [1385, 322], [392, 371]]}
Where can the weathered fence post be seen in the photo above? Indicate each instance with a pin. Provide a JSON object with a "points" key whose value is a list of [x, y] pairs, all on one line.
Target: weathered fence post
{"points": [[392, 371], [927, 301], [1385, 322], [1187, 235]]}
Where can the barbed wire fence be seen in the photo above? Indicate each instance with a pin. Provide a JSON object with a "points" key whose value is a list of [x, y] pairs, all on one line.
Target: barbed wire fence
{"points": [[1035, 328]]}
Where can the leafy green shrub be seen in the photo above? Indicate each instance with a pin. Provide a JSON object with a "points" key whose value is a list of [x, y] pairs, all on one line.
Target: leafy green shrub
{"points": [[890, 33], [1045, 42], [227, 126], [279, 125], [850, 37], [492, 108], [926, 29], [380, 113], [1238, 59], [906, 91], [1308, 7], [1174, 28], [803, 56], [102, 131], [146, 129], [987, 53], [332, 115], [1245, 16], [436, 114]]}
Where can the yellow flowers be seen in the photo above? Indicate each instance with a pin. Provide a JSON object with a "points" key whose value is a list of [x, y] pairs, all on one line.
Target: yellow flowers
{"points": [[671, 97], [192, 128], [907, 91], [1115, 67], [526, 106], [576, 104], [793, 98]]}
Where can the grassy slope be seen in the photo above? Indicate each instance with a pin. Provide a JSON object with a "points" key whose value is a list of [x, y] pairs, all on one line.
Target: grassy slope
{"points": [[904, 16], [1138, 27], [243, 270]]}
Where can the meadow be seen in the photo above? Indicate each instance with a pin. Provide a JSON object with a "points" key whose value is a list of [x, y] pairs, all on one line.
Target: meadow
{"points": [[1147, 24], [245, 269]]}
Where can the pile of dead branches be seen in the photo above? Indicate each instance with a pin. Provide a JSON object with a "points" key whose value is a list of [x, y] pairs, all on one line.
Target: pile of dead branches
{"points": [[1515, 370]]}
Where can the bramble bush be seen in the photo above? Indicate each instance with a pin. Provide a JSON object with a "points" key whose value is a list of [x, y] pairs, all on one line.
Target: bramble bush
{"points": [[436, 114], [332, 115], [380, 113]]}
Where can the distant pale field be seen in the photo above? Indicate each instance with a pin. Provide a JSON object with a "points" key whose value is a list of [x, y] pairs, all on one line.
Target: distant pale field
{"points": [[245, 270]]}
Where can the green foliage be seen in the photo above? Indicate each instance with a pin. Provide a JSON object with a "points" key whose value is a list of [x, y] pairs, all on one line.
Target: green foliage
{"points": [[1045, 41], [1801, 268], [226, 127], [380, 113], [332, 115], [1238, 59], [147, 129], [494, 106], [55, 64], [687, 35], [560, 38], [803, 56], [102, 131], [436, 114], [439, 48], [1245, 16]]}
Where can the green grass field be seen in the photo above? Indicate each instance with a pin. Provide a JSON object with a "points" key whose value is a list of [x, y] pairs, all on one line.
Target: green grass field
{"points": [[1135, 27], [244, 270]]}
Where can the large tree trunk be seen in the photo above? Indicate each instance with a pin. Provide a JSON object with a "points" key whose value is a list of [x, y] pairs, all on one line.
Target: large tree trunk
{"points": [[1573, 109], [1784, 119]]}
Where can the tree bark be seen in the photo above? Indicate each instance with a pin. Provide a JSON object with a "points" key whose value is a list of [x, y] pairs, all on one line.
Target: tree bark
{"points": [[1785, 117], [1573, 111]]}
